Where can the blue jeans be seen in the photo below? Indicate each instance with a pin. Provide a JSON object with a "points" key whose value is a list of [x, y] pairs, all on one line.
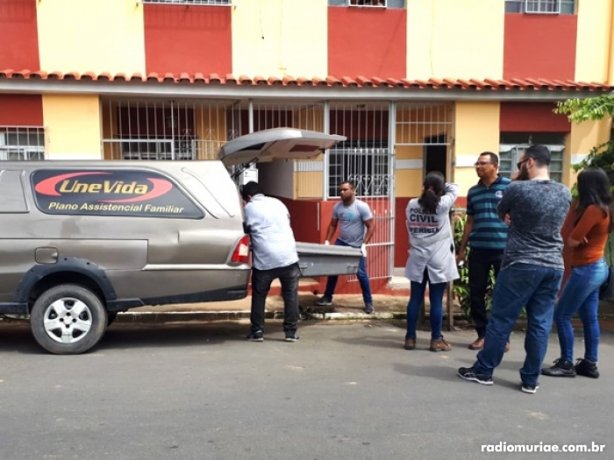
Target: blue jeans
{"points": [[581, 294], [362, 276], [521, 285], [436, 312]]}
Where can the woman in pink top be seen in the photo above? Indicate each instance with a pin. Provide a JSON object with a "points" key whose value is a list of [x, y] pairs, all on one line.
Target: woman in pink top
{"points": [[585, 234]]}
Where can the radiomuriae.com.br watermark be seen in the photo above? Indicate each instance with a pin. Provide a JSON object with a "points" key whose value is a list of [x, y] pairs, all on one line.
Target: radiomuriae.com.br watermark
{"points": [[541, 447]]}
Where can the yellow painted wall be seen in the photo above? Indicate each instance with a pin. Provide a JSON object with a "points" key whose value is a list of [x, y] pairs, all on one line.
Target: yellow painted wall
{"points": [[73, 127], [455, 38], [279, 37], [308, 184], [476, 129], [91, 36], [583, 137], [593, 45], [408, 182]]}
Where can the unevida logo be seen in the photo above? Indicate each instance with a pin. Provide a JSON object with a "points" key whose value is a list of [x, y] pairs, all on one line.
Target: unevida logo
{"points": [[112, 187]]}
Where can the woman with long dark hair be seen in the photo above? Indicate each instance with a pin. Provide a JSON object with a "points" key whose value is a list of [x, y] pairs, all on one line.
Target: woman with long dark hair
{"points": [[431, 255], [585, 233]]}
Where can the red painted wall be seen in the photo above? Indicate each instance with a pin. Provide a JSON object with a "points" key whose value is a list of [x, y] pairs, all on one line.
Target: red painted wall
{"points": [[19, 40], [21, 110], [540, 46], [367, 41], [180, 38], [532, 117]]}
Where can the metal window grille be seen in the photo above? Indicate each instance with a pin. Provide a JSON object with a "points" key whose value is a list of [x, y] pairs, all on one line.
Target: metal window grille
{"points": [[364, 158], [509, 154], [165, 130], [22, 143], [191, 2], [369, 3], [423, 124], [541, 6]]}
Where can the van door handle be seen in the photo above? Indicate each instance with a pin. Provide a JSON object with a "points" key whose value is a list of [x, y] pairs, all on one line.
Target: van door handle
{"points": [[46, 255]]}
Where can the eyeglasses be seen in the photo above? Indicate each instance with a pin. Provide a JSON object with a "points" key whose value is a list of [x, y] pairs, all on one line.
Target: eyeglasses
{"points": [[482, 163], [519, 164]]}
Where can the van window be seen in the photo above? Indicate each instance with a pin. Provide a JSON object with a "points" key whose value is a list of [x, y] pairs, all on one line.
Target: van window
{"points": [[12, 198], [111, 192]]}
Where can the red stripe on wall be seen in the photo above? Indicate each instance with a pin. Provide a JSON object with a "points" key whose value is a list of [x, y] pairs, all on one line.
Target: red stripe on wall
{"points": [[540, 46], [21, 110], [532, 117], [19, 39], [367, 41], [180, 38]]}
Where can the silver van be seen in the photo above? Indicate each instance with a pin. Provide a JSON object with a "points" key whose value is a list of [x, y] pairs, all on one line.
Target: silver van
{"points": [[83, 240]]}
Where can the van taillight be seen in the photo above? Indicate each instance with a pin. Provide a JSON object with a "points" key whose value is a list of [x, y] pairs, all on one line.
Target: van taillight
{"points": [[240, 255]]}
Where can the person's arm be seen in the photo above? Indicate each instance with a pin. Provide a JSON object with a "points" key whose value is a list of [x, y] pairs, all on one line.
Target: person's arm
{"points": [[370, 224], [504, 206], [462, 247], [591, 217], [332, 227], [451, 192]]}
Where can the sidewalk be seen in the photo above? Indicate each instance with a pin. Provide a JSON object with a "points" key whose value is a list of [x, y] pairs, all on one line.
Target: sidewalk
{"points": [[390, 305]]}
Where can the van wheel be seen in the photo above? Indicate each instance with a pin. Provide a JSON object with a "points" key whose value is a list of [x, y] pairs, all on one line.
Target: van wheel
{"points": [[68, 319]]}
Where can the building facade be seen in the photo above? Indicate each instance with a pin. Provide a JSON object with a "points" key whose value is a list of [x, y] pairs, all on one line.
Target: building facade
{"points": [[414, 85]]}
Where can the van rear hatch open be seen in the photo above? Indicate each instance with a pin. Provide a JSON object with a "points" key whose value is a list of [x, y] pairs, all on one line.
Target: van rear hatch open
{"points": [[295, 144]]}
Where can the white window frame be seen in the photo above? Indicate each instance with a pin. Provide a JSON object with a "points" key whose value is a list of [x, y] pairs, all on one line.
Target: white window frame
{"points": [[368, 3], [191, 2], [13, 149], [557, 152], [549, 7]]}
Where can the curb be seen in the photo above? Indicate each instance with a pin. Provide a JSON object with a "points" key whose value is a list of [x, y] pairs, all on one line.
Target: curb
{"points": [[177, 317]]}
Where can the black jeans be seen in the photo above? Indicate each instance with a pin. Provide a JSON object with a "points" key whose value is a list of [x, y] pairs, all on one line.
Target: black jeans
{"points": [[480, 263], [261, 284]]}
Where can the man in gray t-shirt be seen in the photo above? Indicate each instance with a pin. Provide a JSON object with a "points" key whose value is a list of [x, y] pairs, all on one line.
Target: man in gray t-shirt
{"points": [[532, 268], [355, 221]]}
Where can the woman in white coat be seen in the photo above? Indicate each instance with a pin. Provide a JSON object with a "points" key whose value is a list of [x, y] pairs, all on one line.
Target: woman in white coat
{"points": [[431, 255]]}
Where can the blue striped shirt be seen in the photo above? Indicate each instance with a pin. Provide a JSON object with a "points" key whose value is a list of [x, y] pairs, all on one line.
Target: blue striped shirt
{"points": [[489, 231]]}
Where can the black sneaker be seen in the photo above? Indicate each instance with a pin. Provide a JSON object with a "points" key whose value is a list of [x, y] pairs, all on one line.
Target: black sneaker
{"points": [[292, 337], [255, 336], [531, 389], [324, 302], [561, 368], [468, 373], [369, 309], [587, 368]]}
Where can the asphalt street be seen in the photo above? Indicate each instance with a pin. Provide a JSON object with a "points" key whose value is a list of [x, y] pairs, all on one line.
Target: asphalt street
{"points": [[346, 390]]}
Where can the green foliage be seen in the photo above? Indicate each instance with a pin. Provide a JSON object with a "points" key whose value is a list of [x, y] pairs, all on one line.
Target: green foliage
{"points": [[460, 288], [592, 108]]}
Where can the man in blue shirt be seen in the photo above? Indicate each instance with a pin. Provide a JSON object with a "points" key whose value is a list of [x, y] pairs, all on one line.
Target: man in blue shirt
{"points": [[486, 235], [274, 254]]}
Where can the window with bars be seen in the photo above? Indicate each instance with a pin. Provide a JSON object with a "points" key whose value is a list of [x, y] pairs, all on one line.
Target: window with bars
{"points": [[369, 3], [365, 166], [164, 130], [22, 143], [191, 2], [513, 145], [541, 6]]}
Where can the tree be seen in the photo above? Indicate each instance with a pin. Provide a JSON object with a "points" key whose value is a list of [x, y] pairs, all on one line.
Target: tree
{"points": [[591, 109], [600, 156]]}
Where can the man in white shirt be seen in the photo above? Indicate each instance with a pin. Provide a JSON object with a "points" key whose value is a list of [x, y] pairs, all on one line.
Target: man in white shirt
{"points": [[267, 221]]}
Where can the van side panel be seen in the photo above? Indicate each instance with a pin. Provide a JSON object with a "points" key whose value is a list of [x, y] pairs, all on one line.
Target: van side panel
{"points": [[156, 258]]}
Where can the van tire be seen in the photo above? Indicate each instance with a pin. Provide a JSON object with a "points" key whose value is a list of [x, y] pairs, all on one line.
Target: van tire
{"points": [[56, 327]]}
